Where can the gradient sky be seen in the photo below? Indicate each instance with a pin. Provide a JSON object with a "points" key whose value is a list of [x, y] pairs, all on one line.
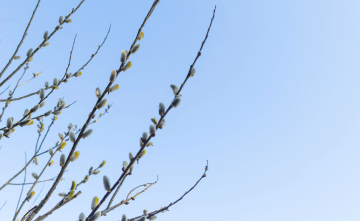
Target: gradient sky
{"points": [[273, 106]]}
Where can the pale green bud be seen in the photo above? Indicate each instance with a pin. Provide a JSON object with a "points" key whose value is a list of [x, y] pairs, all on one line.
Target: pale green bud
{"points": [[174, 88], [176, 102], [62, 160], [106, 182], [46, 35], [72, 136], [87, 133]]}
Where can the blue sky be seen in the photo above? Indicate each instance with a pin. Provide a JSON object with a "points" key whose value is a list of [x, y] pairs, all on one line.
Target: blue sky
{"points": [[273, 106]]}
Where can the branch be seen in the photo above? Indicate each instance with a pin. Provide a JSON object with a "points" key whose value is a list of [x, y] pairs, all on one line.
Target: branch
{"points": [[21, 41], [57, 207], [104, 212], [149, 215]]}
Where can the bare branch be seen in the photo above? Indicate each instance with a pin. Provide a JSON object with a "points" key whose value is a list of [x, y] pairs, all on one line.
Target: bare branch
{"points": [[149, 215]]}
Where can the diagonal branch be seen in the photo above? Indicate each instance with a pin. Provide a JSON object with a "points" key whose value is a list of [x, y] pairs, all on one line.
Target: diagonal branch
{"points": [[57, 207], [149, 215]]}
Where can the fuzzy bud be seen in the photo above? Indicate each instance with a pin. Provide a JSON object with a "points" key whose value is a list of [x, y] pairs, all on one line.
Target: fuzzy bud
{"points": [[42, 104], [123, 218], [82, 217], [29, 52], [62, 160], [113, 76], [51, 152], [91, 170], [131, 156], [174, 88], [134, 49], [46, 84], [114, 88], [55, 82], [101, 104], [127, 66], [75, 156], [98, 92], [61, 19], [87, 133], [144, 136], [125, 165], [29, 195], [161, 109], [17, 57], [152, 130], [123, 56], [42, 93], [192, 72], [35, 175], [9, 122], [106, 183], [162, 124], [62, 106], [46, 35], [72, 136], [102, 164], [24, 122], [47, 113], [95, 216], [176, 102], [73, 185], [94, 202]]}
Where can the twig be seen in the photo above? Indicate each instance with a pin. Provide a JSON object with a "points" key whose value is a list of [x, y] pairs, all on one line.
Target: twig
{"points": [[22, 188], [57, 207], [149, 215], [116, 192], [21, 41], [104, 212], [3, 205]]}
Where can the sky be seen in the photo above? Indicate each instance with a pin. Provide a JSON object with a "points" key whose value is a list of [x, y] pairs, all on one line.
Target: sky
{"points": [[273, 107]]}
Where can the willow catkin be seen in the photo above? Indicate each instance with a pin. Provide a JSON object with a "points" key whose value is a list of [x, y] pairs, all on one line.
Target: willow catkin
{"points": [[161, 109], [176, 102], [62, 160], [174, 88], [95, 216], [94, 202], [107, 183], [87, 133]]}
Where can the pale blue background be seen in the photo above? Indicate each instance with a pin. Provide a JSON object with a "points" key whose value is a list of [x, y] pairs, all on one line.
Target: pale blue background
{"points": [[274, 106]]}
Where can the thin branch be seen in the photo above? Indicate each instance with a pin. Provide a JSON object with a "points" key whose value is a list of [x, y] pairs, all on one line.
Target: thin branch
{"points": [[21, 41], [157, 127], [3, 205], [104, 212], [41, 44], [149, 215], [116, 192], [57, 207], [22, 188]]}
